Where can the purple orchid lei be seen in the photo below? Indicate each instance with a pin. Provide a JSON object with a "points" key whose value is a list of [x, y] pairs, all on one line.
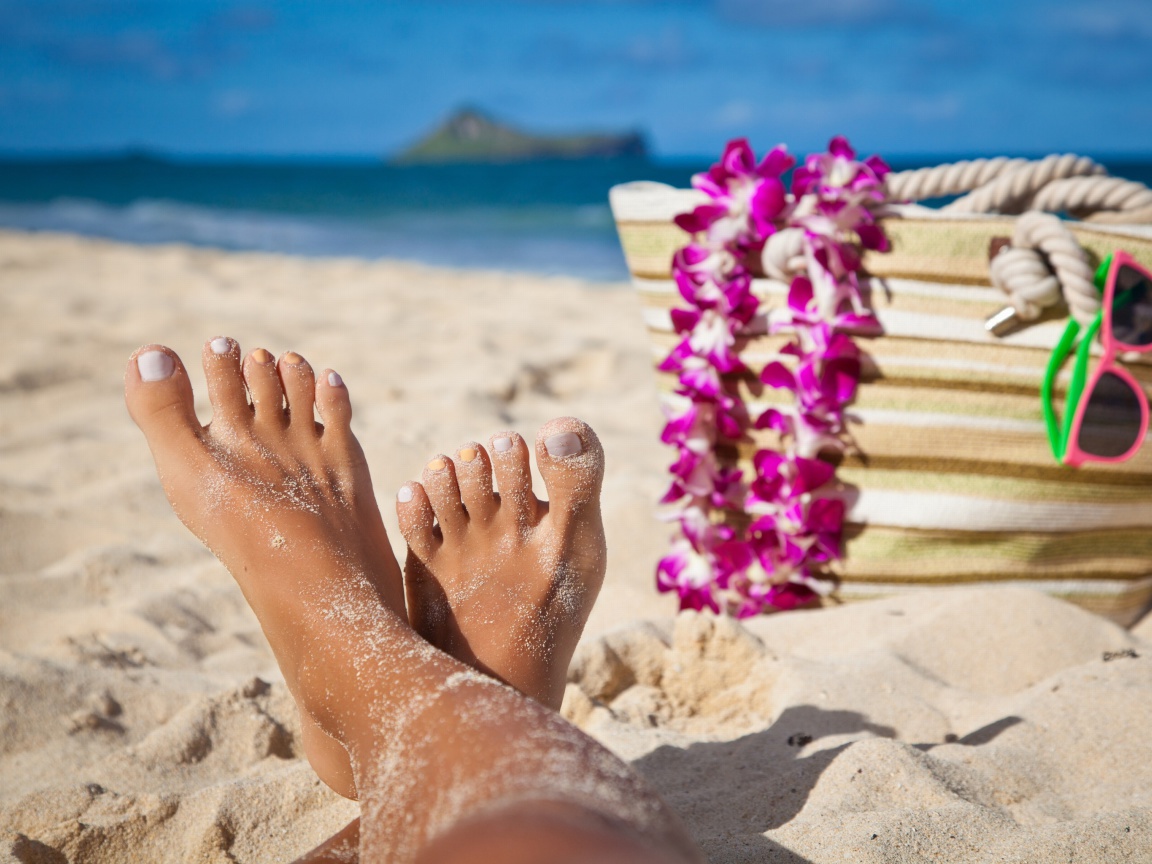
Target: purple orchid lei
{"points": [[781, 560]]}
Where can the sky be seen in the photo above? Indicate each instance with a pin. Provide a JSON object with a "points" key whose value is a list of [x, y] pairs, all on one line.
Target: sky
{"points": [[341, 78]]}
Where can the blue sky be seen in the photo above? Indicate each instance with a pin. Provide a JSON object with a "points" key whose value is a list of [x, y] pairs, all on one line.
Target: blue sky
{"points": [[333, 77]]}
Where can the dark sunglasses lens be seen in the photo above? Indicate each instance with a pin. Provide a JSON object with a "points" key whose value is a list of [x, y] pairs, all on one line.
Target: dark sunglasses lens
{"points": [[1132, 308], [1111, 421]]}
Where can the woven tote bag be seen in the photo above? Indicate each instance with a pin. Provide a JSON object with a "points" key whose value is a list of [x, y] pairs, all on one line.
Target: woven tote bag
{"points": [[953, 481]]}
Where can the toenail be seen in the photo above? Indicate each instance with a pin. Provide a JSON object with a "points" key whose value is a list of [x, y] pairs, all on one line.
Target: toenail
{"points": [[334, 380], [293, 359], [467, 454], [502, 445], [404, 495], [221, 345], [261, 356], [563, 444], [155, 366], [436, 464]]}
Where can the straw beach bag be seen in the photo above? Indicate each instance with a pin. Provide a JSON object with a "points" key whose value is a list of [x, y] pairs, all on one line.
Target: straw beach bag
{"points": [[952, 479]]}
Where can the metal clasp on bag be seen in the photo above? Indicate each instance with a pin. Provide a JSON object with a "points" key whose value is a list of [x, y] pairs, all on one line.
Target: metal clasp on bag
{"points": [[1007, 320]]}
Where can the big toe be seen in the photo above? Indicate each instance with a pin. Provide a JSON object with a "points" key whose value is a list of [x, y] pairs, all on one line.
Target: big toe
{"points": [[159, 398], [571, 461]]}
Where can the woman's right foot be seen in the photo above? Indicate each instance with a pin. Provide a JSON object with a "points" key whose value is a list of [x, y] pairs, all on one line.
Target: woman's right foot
{"points": [[285, 503], [503, 581]]}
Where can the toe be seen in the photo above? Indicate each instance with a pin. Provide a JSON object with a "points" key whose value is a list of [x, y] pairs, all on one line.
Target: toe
{"points": [[337, 441], [159, 398], [513, 476], [264, 385], [299, 383], [414, 513], [226, 390], [571, 461], [333, 402], [444, 493], [474, 474]]}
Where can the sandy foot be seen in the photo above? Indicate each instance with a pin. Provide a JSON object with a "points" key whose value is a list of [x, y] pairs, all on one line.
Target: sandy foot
{"points": [[285, 503], [505, 582]]}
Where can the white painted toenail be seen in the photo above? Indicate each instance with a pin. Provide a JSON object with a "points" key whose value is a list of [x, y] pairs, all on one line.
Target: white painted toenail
{"points": [[334, 380], [563, 444], [221, 345], [502, 445], [404, 495], [155, 366]]}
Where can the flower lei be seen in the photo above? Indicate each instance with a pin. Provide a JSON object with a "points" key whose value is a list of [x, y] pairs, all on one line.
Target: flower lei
{"points": [[781, 560]]}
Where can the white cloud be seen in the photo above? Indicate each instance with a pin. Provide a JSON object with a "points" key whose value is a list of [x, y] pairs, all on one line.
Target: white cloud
{"points": [[813, 13], [734, 113], [232, 103]]}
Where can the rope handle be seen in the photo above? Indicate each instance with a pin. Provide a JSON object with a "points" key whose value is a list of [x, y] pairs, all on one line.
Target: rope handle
{"points": [[1043, 264]]}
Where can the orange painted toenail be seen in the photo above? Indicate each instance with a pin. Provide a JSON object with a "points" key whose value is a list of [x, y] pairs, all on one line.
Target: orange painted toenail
{"points": [[436, 464], [261, 356], [293, 359], [467, 454]]}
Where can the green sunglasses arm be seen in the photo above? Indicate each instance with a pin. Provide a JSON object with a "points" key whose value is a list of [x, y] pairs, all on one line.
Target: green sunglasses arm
{"points": [[1057, 437], [1055, 361], [1079, 379]]}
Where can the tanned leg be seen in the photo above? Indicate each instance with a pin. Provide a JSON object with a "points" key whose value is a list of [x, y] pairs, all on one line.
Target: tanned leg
{"points": [[450, 765]]}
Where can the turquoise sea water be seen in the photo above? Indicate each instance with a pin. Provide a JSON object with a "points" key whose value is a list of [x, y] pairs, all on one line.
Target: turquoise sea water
{"points": [[547, 217]]}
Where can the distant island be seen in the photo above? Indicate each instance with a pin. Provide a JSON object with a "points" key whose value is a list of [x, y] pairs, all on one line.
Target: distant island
{"points": [[469, 135]]}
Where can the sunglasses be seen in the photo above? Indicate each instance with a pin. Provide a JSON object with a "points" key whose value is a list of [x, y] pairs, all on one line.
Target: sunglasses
{"points": [[1105, 414]]}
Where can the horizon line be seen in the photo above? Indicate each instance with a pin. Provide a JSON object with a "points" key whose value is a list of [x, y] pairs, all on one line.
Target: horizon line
{"points": [[173, 157]]}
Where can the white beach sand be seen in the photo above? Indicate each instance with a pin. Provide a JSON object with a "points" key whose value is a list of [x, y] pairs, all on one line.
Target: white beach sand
{"points": [[143, 719]]}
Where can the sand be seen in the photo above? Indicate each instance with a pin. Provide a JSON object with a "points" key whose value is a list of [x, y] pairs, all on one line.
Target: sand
{"points": [[143, 719]]}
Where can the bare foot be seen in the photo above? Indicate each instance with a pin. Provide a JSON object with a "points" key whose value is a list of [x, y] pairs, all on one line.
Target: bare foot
{"points": [[505, 582], [285, 503], [445, 758]]}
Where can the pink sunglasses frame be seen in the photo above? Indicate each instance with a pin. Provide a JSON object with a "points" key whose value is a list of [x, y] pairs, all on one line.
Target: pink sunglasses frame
{"points": [[1073, 455]]}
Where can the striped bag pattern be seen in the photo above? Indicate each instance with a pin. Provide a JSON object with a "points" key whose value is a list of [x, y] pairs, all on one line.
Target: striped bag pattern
{"points": [[953, 481]]}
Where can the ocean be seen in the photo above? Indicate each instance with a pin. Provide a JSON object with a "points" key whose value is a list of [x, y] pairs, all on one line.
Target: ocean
{"points": [[544, 217]]}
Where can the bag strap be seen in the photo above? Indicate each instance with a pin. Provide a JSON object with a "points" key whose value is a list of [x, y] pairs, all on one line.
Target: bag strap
{"points": [[1064, 183], [1042, 264]]}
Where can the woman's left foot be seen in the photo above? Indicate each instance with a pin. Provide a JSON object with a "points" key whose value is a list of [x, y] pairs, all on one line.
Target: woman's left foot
{"points": [[503, 581], [508, 587]]}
